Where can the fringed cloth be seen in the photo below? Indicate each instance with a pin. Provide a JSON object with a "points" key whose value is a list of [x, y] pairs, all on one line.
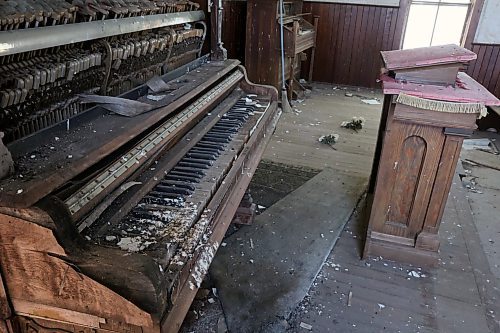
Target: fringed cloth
{"points": [[440, 106]]}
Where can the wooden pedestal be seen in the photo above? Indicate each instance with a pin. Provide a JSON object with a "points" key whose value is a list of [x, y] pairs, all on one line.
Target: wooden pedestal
{"points": [[415, 162]]}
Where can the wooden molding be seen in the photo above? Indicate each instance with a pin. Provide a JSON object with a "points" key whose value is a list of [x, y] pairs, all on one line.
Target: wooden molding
{"points": [[27, 308], [396, 252], [392, 238], [487, 31], [382, 3], [409, 114], [473, 23]]}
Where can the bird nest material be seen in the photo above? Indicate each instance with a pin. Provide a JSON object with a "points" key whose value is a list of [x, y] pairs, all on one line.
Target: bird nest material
{"points": [[355, 124], [329, 139]]}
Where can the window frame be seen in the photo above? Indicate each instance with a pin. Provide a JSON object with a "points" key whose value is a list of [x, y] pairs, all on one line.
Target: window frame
{"points": [[440, 3]]}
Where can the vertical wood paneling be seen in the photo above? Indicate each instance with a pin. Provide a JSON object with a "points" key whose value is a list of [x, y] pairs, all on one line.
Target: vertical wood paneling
{"points": [[486, 68], [350, 38], [368, 26], [234, 28]]}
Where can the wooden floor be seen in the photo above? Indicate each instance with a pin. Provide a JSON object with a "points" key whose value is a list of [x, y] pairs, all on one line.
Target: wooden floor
{"points": [[377, 295], [353, 295], [295, 141]]}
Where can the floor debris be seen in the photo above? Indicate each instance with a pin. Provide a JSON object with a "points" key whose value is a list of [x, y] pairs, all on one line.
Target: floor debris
{"points": [[476, 143], [329, 139], [306, 326], [355, 124], [370, 101]]}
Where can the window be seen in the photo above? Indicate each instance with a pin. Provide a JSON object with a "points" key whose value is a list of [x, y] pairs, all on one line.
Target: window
{"points": [[435, 22]]}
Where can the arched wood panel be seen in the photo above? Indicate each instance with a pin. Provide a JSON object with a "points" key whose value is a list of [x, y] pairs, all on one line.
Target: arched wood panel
{"points": [[409, 168], [407, 173]]}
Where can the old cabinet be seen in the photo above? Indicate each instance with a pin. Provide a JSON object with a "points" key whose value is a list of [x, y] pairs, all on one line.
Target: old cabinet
{"points": [[262, 55], [419, 145]]}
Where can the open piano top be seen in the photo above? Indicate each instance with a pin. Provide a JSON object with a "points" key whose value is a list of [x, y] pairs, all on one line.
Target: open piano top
{"points": [[110, 222]]}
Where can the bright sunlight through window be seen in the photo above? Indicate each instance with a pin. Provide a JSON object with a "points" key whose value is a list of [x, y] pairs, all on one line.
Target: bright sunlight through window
{"points": [[435, 22]]}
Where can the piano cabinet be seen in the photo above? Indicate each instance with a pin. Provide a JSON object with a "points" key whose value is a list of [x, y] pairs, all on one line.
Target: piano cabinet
{"points": [[131, 257]]}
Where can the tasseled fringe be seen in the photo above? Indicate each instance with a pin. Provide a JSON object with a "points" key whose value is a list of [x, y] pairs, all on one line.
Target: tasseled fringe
{"points": [[440, 106]]}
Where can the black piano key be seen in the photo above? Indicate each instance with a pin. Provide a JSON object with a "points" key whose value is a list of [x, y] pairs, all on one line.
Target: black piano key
{"points": [[201, 150], [181, 184], [204, 161], [172, 190], [209, 145], [201, 156], [189, 171], [184, 173], [193, 165], [213, 139]]}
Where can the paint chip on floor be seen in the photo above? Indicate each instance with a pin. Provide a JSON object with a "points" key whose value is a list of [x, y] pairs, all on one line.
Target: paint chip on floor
{"points": [[306, 326]]}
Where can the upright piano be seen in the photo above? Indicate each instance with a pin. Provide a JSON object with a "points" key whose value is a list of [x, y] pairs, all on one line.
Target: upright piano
{"points": [[111, 213]]}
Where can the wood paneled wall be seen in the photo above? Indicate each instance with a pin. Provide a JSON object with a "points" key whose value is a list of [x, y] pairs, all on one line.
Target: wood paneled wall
{"points": [[350, 38], [486, 68], [234, 28]]}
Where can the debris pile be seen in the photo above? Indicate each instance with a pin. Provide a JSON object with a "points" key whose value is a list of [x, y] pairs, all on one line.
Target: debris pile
{"points": [[355, 124], [329, 139]]}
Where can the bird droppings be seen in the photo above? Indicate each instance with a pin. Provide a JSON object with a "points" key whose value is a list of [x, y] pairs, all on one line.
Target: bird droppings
{"points": [[133, 244]]}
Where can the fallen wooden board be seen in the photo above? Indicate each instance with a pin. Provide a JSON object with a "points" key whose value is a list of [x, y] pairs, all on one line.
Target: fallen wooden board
{"points": [[267, 268], [481, 158]]}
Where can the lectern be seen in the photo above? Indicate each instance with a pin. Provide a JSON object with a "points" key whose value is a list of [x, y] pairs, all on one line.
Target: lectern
{"points": [[429, 108]]}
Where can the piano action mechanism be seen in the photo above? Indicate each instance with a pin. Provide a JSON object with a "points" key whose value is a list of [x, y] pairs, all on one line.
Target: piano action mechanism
{"points": [[109, 223]]}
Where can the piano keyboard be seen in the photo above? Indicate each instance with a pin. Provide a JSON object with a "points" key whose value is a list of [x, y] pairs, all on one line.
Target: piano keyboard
{"points": [[169, 210], [146, 147]]}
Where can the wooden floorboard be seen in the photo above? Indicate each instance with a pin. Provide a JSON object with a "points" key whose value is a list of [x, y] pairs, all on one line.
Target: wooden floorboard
{"points": [[455, 297], [295, 141]]}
